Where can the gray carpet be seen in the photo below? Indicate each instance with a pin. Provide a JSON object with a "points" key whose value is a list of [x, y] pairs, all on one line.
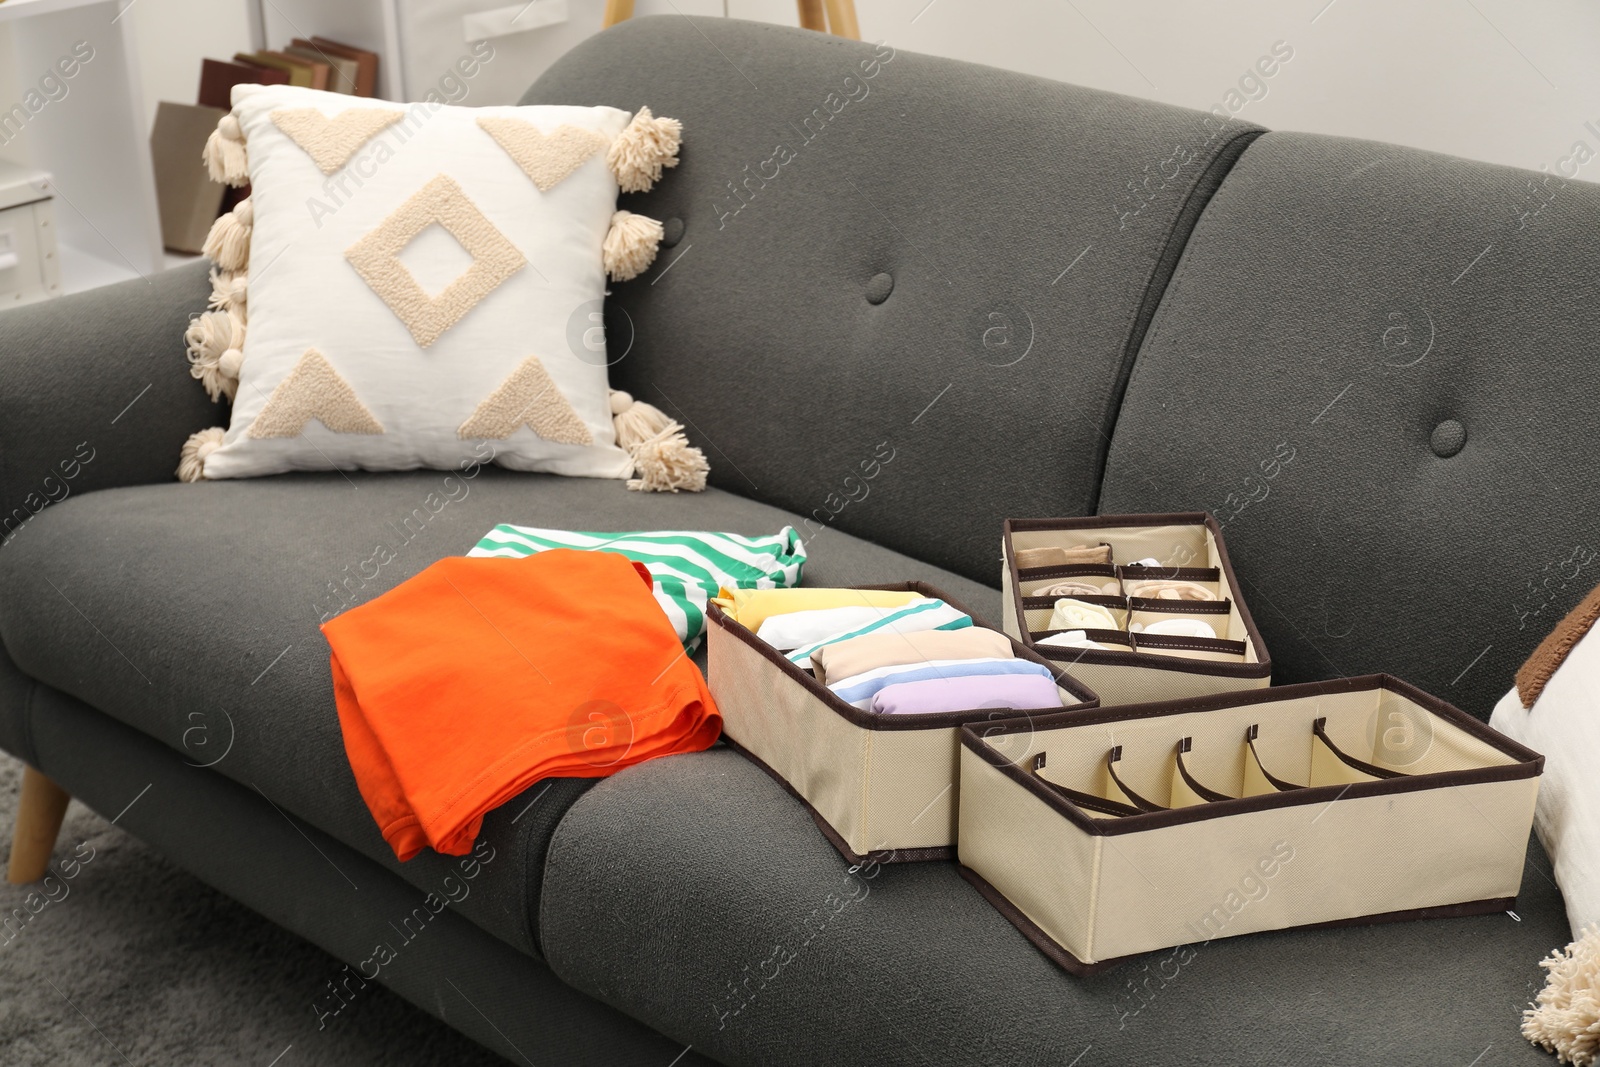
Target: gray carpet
{"points": [[137, 963]]}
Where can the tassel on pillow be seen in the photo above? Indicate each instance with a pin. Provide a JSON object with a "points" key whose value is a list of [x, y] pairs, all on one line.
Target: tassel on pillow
{"points": [[228, 291], [641, 150], [663, 460], [224, 156], [1566, 1017], [215, 344], [630, 245], [192, 460], [228, 243]]}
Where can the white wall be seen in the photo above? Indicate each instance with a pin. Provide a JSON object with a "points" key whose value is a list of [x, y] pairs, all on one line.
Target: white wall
{"points": [[175, 35], [1506, 81]]}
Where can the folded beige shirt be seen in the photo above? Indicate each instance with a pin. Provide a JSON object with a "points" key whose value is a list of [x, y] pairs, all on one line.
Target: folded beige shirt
{"points": [[871, 651]]}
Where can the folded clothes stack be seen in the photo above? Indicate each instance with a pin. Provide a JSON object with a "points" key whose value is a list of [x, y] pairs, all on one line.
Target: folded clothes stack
{"points": [[894, 652]]}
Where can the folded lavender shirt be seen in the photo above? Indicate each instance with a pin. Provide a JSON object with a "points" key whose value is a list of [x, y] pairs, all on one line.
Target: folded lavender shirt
{"points": [[966, 693]]}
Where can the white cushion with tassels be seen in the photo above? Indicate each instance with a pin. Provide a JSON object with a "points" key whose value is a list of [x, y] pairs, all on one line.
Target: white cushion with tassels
{"points": [[421, 286]]}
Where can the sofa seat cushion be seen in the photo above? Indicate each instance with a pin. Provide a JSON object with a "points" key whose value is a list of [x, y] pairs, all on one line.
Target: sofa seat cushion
{"points": [[192, 613], [697, 896]]}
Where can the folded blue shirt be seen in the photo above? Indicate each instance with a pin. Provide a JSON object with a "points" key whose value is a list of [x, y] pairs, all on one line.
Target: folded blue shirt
{"points": [[859, 689]]}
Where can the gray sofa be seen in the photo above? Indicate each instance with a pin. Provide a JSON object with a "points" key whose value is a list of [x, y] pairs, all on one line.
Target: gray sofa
{"points": [[1049, 301]]}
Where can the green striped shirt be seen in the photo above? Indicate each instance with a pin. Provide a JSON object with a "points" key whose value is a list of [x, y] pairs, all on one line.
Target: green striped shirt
{"points": [[688, 566]]}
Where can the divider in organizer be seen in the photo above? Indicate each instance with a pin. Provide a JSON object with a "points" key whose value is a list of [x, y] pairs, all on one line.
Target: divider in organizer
{"points": [[1119, 831], [880, 787], [1142, 634]]}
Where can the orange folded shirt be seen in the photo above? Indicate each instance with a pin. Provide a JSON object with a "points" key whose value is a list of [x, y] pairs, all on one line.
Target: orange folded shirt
{"points": [[466, 684]]}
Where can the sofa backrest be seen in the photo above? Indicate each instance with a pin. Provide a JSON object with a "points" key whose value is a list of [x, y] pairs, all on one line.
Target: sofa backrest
{"points": [[900, 295], [1372, 364], [1377, 367]]}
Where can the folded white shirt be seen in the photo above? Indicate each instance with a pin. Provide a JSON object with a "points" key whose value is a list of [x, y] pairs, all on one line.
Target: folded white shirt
{"points": [[915, 617], [795, 628]]}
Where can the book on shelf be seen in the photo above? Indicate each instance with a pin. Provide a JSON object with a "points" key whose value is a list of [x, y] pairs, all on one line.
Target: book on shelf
{"points": [[342, 72], [302, 72], [218, 77], [366, 62]]}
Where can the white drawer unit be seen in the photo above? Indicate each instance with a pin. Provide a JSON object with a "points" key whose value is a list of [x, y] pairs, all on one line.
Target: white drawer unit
{"points": [[30, 268]]}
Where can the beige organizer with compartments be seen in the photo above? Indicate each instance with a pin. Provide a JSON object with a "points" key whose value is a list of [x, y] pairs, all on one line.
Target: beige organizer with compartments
{"points": [[1142, 633], [1119, 831], [880, 787]]}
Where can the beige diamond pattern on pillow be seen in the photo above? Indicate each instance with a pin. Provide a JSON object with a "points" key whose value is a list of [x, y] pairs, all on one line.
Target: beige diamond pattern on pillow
{"points": [[376, 258], [528, 398], [331, 142], [547, 158], [313, 390]]}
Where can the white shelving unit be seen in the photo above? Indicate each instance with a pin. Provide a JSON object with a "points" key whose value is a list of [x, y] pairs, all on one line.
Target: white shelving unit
{"points": [[421, 41], [369, 24], [92, 139]]}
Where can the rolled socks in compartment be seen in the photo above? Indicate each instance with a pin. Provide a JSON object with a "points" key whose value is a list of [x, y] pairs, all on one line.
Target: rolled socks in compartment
{"points": [[1072, 614]]}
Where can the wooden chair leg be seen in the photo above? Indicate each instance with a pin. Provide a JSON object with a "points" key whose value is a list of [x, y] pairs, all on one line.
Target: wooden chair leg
{"points": [[41, 805], [617, 11], [811, 17], [842, 19]]}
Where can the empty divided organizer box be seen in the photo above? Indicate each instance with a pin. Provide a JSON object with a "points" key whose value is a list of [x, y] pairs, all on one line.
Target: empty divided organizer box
{"points": [[1120, 831], [1126, 659], [881, 787]]}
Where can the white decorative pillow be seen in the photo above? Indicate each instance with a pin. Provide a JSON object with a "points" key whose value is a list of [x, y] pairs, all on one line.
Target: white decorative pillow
{"points": [[401, 285]]}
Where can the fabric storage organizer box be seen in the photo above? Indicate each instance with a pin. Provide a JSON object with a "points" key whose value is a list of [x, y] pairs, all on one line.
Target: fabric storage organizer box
{"points": [[1136, 667], [1120, 831], [880, 787]]}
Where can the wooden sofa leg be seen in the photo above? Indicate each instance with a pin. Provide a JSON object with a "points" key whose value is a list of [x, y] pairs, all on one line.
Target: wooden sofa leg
{"points": [[41, 805]]}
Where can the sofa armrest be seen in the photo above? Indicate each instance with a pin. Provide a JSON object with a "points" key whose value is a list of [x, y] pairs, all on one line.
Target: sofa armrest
{"points": [[96, 391]]}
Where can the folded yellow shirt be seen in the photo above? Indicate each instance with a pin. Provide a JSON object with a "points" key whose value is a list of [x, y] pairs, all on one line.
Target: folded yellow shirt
{"points": [[750, 607], [871, 651]]}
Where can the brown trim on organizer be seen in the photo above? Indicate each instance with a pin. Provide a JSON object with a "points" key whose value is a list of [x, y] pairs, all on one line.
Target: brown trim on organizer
{"points": [[1087, 801], [1071, 570], [1098, 522], [1193, 644], [1168, 574], [942, 720], [1181, 607], [1319, 729], [1144, 804], [1282, 785], [1033, 932], [882, 855], [1115, 637], [1073, 965], [1552, 651], [1101, 658], [1104, 600], [1530, 764], [1210, 795]]}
